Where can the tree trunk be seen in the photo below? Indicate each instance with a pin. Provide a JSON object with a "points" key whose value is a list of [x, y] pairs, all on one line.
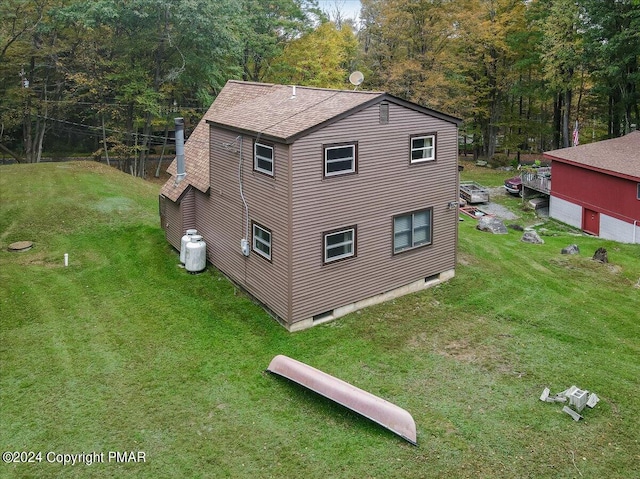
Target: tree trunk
{"points": [[164, 145], [566, 119], [11, 153], [557, 120], [104, 142]]}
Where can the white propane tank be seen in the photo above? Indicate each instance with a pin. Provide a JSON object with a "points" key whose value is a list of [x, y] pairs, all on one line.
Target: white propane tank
{"points": [[183, 244], [195, 255]]}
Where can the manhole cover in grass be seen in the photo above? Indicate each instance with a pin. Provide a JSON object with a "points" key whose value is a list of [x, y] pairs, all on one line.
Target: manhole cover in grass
{"points": [[20, 246]]}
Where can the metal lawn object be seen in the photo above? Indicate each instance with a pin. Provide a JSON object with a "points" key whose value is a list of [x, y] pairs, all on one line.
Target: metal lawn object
{"points": [[388, 415], [472, 192]]}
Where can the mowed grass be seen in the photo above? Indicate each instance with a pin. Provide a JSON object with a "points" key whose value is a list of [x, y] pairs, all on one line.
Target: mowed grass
{"points": [[124, 351]]}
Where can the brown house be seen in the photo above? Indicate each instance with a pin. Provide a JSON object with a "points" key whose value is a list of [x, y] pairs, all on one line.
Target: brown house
{"points": [[319, 202]]}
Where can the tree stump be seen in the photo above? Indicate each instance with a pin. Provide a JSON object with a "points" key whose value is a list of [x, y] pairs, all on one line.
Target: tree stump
{"points": [[601, 255]]}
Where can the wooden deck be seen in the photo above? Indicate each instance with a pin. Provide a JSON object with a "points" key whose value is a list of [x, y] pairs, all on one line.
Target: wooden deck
{"points": [[538, 179]]}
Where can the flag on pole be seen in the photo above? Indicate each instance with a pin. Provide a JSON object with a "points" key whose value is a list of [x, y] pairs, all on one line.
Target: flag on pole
{"points": [[576, 135]]}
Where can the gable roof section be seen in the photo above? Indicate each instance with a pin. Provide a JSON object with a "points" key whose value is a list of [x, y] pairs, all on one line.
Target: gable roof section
{"points": [[196, 155], [275, 112], [272, 112], [617, 156]]}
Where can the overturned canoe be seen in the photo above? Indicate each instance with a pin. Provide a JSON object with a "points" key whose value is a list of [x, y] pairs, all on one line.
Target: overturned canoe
{"points": [[383, 412]]}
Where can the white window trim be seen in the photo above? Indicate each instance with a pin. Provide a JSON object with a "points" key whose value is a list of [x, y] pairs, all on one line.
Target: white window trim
{"points": [[345, 255], [257, 239], [264, 158], [433, 148], [341, 172], [412, 245]]}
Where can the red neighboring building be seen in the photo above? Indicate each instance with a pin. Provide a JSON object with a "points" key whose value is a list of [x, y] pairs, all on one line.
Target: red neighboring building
{"points": [[596, 187]]}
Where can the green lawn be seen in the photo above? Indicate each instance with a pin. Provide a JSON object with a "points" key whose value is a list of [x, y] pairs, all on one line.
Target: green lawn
{"points": [[124, 351]]}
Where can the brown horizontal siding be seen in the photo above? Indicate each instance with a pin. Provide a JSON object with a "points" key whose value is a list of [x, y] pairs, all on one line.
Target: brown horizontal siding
{"points": [[222, 218], [385, 185], [188, 206], [172, 223]]}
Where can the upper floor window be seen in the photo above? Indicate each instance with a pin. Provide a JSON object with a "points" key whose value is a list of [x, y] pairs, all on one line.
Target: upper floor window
{"points": [[412, 230], [339, 244], [638, 195], [263, 158], [262, 241], [423, 148], [340, 159]]}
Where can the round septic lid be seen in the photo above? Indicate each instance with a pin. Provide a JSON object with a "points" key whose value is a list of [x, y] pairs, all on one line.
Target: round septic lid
{"points": [[21, 246]]}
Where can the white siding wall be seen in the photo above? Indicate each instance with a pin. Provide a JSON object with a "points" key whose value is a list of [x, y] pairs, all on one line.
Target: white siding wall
{"points": [[565, 211], [617, 230], [610, 228]]}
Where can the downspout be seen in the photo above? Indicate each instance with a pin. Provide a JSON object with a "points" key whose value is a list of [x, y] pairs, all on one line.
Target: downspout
{"points": [[635, 227], [244, 243], [180, 167]]}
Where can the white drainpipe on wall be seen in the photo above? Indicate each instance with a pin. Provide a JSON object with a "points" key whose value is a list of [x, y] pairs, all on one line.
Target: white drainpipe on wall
{"points": [[181, 172], [635, 227]]}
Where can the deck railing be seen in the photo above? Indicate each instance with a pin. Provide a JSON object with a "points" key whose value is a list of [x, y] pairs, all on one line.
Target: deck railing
{"points": [[538, 179]]}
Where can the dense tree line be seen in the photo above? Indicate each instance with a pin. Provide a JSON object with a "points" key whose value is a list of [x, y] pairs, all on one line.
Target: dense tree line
{"points": [[108, 76]]}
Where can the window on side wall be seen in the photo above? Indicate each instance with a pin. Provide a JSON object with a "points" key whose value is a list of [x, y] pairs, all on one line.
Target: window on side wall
{"points": [[412, 230], [638, 193], [263, 158], [340, 159], [261, 240], [339, 244], [423, 148]]}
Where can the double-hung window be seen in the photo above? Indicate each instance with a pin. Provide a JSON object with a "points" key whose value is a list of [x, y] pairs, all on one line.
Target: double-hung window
{"points": [[412, 230], [263, 158], [262, 241], [423, 148], [339, 244], [340, 159]]}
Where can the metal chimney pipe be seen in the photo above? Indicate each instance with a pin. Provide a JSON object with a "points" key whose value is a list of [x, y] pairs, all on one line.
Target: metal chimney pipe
{"points": [[181, 172]]}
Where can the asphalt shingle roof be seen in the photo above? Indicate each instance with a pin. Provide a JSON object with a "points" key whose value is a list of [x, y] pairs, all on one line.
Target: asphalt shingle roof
{"points": [[196, 158], [620, 156], [274, 112]]}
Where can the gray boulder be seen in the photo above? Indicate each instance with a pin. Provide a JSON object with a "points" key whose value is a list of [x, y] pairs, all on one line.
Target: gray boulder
{"points": [[492, 225], [531, 236], [571, 249]]}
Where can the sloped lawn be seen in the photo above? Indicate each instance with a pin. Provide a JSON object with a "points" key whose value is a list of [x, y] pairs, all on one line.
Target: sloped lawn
{"points": [[123, 351]]}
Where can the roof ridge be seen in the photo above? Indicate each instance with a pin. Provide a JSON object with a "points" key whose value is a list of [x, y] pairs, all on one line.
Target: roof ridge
{"points": [[323, 100], [306, 87]]}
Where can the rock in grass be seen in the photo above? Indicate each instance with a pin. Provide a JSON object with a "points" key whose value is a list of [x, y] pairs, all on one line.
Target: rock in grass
{"points": [[492, 225], [571, 249], [531, 237]]}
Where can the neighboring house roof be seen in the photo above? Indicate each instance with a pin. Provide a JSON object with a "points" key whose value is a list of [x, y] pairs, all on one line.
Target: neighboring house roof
{"points": [[272, 112], [620, 156]]}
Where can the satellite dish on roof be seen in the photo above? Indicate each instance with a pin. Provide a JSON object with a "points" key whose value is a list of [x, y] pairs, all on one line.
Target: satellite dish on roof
{"points": [[356, 78]]}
